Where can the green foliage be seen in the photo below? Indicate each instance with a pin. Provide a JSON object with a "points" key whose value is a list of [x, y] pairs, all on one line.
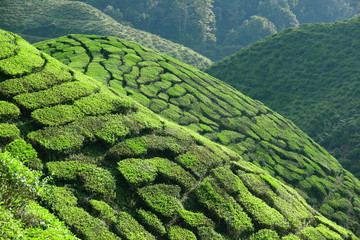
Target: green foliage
{"points": [[179, 233], [265, 234], [225, 207], [18, 183], [162, 198], [44, 225], [88, 20], [51, 74], [195, 219], [103, 104], [131, 229], [72, 136], [177, 177], [95, 180], [8, 131], [264, 215], [24, 62], [10, 227], [191, 98], [84, 224], [138, 171], [25, 152], [209, 233], [59, 94], [151, 220], [312, 66], [58, 197], [311, 233], [124, 223], [57, 115], [8, 111]]}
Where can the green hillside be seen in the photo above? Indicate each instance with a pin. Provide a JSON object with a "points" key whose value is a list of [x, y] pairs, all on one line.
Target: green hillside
{"points": [[38, 19], [204, 104], [119, 171], [310, 75], [217, 28]]}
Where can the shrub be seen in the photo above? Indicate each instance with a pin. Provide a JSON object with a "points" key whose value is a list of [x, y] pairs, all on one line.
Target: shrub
{"points": [[310, 233], [103, 104], [225, 208], [290, 237], [96, 180], [195, 219], [10, 228], [327, 233], [98, 72], [179, 233], [18, 183], [51, 75], [123, 222], [8, 111], [44, 225], [264, 215], [207, 233], [21, 149], [57, 138], [84, 225], [128, 227], [8, 131], [57, 115], [149, 74], [24, 62], [152, 221], [172, 171], [176, 91], [199, 160], [265, 234], [162, 198], [58, 94], [103, 211], [138, 171]]}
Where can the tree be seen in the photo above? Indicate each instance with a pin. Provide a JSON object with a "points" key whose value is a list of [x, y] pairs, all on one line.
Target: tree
{"points": [[196, 15]]}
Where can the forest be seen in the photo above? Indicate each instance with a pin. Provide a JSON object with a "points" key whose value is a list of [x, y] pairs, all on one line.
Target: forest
{"points": [[216, 28]]}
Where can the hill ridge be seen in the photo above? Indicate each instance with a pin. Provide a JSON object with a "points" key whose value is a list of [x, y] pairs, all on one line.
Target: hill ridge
{"points": [[121, 171], [308, 75], [203, 103]]}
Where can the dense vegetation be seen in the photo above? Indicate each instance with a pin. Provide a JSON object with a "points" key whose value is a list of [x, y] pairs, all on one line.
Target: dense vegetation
{"points": [[310, 75], [194, 99], [119, 171], [38, 20], [217, 28]]}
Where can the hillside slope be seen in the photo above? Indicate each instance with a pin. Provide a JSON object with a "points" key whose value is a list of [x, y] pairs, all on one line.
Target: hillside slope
{"points": [[54, 18], [234, 23], [206, 105], [122, 172], [310, 75]]}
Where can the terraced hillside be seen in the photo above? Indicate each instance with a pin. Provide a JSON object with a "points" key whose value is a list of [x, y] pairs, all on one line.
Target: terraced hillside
{"points": [[204, 104], [122, 172], [53, 18], [310, 75]]}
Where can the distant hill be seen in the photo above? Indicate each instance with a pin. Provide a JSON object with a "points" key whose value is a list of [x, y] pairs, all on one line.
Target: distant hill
{"points": [[212, 108], [233, 23], [310, 75], [120, 171], [39, 20]]}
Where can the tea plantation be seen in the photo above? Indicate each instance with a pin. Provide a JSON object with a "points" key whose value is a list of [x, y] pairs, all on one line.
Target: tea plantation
{"points": [[204, 104], [310, 75], [37, 20], [116, 170]]}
